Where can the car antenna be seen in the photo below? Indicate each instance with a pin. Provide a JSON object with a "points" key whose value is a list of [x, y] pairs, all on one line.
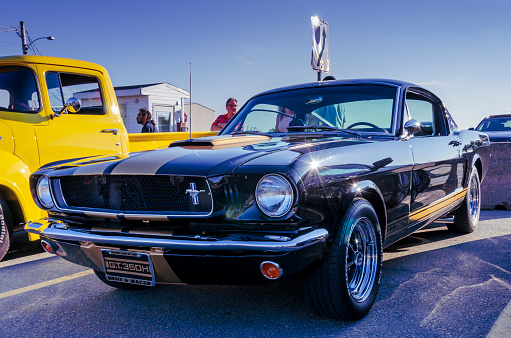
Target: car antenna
{"points": [[190, 101]]}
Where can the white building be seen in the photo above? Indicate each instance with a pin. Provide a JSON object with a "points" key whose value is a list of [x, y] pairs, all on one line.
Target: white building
{"points": [[165, 102]]}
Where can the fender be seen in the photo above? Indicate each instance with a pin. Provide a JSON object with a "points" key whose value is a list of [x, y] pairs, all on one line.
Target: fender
{"points": [[14, 185], [364, 189], [370, 191]]}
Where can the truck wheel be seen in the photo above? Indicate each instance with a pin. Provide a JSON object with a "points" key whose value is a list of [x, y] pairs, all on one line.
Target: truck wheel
{"points": [[346, 284], [6, 226], [124, 286], [466, 217]]}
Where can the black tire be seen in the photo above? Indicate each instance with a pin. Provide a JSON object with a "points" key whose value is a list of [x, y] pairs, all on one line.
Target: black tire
{"points": [[123, 286], [466, 217], [345, 286], [6, 228]]}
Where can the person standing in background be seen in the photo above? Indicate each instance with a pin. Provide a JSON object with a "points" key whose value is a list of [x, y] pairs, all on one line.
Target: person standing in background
{"points": [[232, 107], [145, 118]]}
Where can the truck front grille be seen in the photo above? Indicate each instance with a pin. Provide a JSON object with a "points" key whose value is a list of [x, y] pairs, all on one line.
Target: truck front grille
{"points": [[161, 194]]}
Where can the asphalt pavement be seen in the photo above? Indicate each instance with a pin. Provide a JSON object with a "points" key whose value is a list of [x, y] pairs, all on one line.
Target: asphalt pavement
{"points": [[434, 284]]}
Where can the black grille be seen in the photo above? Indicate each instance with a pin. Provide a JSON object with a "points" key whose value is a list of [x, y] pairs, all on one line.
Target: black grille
{"points": [[137, 193]]}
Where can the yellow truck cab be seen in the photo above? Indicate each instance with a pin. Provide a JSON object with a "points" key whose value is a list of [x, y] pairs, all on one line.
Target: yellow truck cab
{"points": [[38, 125]]}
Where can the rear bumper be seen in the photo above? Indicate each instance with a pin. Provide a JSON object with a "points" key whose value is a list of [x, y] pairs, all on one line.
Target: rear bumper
{"points": [[194, 260]]}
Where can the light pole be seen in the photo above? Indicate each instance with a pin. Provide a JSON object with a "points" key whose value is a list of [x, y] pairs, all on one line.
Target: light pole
{"points": [[23, 36], [25, 50]]}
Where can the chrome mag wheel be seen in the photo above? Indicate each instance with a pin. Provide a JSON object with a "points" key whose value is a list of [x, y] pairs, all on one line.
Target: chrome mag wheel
{"points": [[361, 260], [474, 198]]}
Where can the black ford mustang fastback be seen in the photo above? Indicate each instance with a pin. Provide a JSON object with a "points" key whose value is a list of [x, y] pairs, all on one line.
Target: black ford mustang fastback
{"points": [[313, 179]]}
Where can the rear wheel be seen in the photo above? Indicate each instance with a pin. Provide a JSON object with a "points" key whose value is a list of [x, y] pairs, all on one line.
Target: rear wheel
{"points": [[124, 286], [466, 217], [6, 226], [346, 284]]}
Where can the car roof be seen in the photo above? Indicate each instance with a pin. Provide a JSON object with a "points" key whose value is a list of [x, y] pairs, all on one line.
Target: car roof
{"points": [[497, 116], [343, 82]]}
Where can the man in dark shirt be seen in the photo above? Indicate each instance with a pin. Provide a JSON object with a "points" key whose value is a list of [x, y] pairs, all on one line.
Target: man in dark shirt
{"points": [[145, 118]]}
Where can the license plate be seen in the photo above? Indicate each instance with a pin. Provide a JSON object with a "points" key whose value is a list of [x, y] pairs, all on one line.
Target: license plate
{"points": [[128, 267]]}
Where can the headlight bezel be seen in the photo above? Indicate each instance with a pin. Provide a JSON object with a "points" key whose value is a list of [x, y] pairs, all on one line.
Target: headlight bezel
{"points": [[288, 200], [44, 197]]}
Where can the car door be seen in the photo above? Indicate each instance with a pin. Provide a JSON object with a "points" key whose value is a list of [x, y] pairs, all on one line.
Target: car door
{"points": [[94, 130], [438, 169]]}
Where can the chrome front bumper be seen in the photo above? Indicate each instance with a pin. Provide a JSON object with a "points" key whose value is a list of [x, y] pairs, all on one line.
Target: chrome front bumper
{"points": [[193, 260]]}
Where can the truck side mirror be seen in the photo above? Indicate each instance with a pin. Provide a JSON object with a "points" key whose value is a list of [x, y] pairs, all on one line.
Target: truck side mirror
{"points": [[72, 105]]}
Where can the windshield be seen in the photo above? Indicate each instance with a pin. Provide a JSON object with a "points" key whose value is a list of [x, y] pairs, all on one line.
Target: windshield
{"points": [[18, 90], [361, 108], [495, 124]]}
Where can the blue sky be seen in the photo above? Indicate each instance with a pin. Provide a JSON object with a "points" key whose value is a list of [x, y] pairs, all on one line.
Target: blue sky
{"points": [[460, 50]]}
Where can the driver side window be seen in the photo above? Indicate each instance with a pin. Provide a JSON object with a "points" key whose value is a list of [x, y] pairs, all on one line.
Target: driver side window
{"points": [[426, 112]]}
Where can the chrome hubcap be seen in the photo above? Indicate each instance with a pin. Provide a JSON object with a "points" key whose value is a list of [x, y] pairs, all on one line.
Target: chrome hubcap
{"points": [[361, 260], [473, 199]]}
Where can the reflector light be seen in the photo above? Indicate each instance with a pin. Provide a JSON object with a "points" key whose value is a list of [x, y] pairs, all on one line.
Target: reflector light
{"points": [[271, 270], [47, 247]]}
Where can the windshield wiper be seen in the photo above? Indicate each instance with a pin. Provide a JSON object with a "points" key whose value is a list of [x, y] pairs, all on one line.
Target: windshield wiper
{"points": [[318, 127]]}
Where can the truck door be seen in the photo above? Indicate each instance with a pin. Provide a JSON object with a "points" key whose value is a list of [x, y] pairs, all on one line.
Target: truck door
{"points": [[95, 130], [438, 170]]}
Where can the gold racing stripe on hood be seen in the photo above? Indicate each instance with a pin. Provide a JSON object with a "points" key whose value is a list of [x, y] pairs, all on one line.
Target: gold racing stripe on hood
{"points": [[220, 142]]}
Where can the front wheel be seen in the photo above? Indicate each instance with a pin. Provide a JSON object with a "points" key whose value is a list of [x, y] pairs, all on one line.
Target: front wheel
{"points": [[124, 286], [346, 284], [6, 226], [466, 217]]}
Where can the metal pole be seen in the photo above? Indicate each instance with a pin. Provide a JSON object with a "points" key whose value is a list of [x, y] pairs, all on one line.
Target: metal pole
{"points": [[23, 38], [319, 75], [190, 117]]}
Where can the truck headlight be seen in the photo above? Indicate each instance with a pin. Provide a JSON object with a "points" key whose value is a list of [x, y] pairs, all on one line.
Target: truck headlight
{"points": [[43, 192], [274, 195]]}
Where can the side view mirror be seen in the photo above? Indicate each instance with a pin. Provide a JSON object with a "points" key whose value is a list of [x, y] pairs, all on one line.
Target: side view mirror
{"points": [[72, 105], [412, 126]]}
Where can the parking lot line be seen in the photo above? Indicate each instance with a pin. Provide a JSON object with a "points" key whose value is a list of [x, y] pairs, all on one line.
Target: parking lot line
{"points": [[44, 284], [21, 260], [502, 326]]}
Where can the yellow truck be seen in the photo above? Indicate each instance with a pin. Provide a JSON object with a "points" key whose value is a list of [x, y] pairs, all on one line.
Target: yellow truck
{"points": [[42, 122]]}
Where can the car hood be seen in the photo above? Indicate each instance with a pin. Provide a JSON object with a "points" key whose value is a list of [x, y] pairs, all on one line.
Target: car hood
{"points": [[499, 136], [208, 156]]}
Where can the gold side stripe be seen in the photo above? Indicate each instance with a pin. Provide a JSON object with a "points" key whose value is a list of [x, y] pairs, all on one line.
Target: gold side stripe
{"points": [[432, 209]]}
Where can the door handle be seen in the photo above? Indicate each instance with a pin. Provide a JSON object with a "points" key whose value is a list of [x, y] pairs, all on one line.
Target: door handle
{"points": [[455, 143], [113, 131]]}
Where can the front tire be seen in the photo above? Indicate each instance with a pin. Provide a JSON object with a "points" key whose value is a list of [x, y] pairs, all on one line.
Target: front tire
{"points": [[6, 226], [123, 286], [466, 217], [345, 286]]}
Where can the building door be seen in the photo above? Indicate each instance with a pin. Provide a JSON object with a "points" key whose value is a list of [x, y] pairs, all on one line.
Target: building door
{"points": [[164, 117]]}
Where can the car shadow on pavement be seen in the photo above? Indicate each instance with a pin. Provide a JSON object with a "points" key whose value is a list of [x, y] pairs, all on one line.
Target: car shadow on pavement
{"points": [[458, 290]]}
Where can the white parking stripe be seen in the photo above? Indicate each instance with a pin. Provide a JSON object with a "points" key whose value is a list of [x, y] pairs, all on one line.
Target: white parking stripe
{"points": [[502, 327], [21, 260], [45, 284]]}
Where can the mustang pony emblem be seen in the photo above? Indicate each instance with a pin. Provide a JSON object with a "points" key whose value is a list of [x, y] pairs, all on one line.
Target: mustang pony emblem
{"points": [[194, 193]]}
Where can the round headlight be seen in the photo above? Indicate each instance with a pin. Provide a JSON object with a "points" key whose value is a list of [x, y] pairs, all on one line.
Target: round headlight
{"points": [[274, 195], [43, 192]]}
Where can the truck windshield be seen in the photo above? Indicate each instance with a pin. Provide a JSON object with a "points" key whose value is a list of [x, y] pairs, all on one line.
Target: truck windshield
{"points": [[18, 90], [360, 108]]}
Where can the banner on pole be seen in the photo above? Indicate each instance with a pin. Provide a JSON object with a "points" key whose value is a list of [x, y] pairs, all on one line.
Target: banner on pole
{"points": [[320, 59]]}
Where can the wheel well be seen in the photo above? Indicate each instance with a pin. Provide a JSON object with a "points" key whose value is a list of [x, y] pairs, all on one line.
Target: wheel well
{"points": [[479, 167], [379, 206], [14, 205]]}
